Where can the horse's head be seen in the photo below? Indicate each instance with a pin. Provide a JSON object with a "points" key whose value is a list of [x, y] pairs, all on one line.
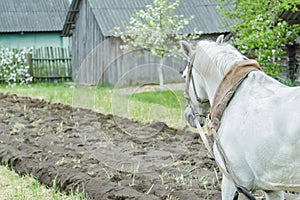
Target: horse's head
{"points": [[208, 64], [197, 99]]}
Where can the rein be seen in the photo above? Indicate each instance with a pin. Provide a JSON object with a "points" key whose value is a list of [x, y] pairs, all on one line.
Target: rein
{"points": [[223, 96]]}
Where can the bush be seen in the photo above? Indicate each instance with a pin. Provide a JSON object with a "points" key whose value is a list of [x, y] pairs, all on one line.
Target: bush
{"points": [[260, 31], [14, 68]]}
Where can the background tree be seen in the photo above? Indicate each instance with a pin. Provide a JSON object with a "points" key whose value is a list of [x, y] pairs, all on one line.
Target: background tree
{"points": [[157, 30], [260, 32]]}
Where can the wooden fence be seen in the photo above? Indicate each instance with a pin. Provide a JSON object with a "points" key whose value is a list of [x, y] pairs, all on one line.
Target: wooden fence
{"points": [[50, 63]]}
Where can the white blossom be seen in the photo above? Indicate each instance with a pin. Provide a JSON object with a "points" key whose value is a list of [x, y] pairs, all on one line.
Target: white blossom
{"points": [[14, 68]]}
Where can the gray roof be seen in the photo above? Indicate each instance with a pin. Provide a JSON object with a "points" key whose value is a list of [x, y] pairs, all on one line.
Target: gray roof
{"points": [[112, 13], [32, 15]]}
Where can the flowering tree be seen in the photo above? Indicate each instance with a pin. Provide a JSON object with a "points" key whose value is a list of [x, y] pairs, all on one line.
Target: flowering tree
{"points": [[260, 32], [156, 29], [14, 68]]}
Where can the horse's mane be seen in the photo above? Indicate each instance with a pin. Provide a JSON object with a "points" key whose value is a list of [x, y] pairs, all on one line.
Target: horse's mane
{"points": [[215, 56]]}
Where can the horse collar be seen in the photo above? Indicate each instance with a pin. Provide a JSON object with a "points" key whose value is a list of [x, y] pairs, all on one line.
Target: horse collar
{"points": [[227, 88]]}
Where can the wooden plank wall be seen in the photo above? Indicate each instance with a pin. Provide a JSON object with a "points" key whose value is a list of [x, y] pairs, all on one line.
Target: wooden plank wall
{"points": [[86, 36], [291, 63], [51, 63], [297, 64], [140, 67]]}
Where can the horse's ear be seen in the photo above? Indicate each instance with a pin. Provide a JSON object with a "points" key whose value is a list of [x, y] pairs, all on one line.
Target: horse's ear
{"points": [[186, 49], [220, 39]]}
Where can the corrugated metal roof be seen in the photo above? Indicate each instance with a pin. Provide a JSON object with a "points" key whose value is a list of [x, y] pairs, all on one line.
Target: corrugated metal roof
{"points": [[32, 15], [112, 13]]}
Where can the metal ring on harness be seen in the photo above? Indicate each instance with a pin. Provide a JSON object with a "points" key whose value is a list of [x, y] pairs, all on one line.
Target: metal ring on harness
{"points": [[244, 191]]}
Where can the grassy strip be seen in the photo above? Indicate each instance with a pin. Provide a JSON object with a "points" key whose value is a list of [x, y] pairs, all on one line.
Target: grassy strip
{"points": [[18, 187]]}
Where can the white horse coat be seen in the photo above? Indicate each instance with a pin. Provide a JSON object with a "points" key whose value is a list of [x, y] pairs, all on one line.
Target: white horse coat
{"points": [[260, 128]]}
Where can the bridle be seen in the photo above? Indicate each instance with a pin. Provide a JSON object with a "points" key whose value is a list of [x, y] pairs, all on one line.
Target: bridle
{"points": [[190, 78]]}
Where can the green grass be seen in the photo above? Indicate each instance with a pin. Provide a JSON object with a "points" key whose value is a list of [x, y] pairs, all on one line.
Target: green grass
{"points": [[171, 99], [55, 92], [166, 106], [14, 186], [85, 97]]}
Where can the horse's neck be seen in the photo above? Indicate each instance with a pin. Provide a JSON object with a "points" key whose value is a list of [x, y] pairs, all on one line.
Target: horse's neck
{"points": [[212, 85], [214, 80], [209, 84], [216, 67]]}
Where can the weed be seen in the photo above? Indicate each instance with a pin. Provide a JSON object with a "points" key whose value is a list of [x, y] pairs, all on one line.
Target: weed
{"points": [[133, 173], [170, 197], [182, 180], [109, 175], [203, 183]]}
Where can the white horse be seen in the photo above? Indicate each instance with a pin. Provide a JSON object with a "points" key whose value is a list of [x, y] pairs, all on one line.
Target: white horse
{"points": [[260, 129]]}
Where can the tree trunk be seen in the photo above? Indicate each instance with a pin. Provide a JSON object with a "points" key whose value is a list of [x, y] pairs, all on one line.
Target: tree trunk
{"points": [[161, 75]]}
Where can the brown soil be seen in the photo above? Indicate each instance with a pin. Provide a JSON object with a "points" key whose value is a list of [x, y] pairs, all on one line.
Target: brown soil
{"points": [[76, 148]]}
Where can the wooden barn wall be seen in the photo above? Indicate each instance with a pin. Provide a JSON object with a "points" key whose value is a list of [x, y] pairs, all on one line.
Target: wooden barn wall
{"points": [[297, 64], [86, 36], [105, 63], [291, 63], [137, 67]]}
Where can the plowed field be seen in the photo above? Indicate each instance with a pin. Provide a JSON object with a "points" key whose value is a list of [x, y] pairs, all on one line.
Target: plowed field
{"points": [[81, 149]]}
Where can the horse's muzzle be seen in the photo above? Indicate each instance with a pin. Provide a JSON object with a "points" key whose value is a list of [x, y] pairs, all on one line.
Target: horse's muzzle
{"points": [[190, 117], [202, 121]]}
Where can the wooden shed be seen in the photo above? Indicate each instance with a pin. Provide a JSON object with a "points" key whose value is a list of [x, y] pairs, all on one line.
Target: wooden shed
{"points": [[32, 23], [96, 54]]}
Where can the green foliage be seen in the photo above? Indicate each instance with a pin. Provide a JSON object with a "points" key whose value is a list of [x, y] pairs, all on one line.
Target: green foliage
{"points": [[289, 82], [156, 29], [260, 32]]}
